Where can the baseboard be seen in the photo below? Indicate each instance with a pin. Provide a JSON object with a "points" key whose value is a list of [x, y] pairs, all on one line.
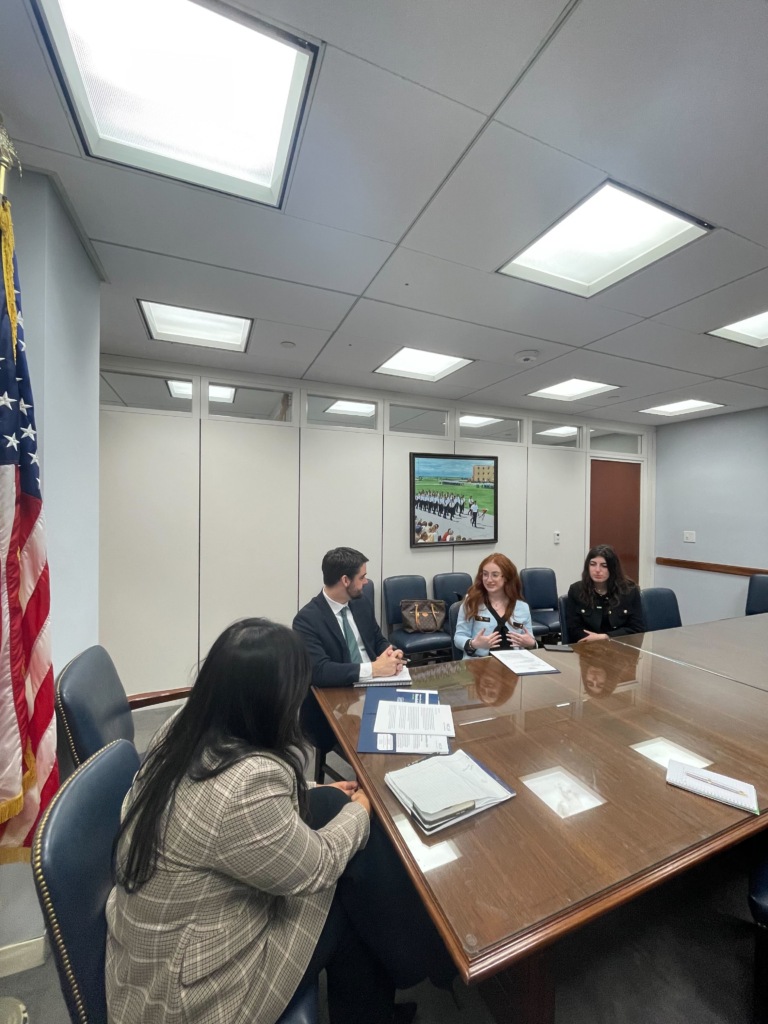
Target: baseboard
{"points": [[22, 956]]}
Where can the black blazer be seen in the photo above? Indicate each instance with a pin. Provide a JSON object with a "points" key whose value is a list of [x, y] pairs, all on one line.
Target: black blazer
{"points": [[625, 618], [328, 651]]}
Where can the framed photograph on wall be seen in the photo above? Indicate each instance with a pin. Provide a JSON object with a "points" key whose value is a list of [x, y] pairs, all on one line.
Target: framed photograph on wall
{"points": [[454, 499]]}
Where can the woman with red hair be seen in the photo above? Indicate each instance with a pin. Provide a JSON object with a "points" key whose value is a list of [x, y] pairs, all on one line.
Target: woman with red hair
{"points": [[493, 615]]}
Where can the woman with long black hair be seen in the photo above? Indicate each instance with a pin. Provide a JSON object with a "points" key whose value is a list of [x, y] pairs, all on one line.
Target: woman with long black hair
{"points": [[604, 602], [226, 902]]}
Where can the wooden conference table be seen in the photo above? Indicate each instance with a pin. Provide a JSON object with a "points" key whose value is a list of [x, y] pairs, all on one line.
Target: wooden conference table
{"points": [[506, 883]]}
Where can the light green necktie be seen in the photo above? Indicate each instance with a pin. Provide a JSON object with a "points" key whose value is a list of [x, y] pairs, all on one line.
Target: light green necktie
{"points": [[349, 636]]}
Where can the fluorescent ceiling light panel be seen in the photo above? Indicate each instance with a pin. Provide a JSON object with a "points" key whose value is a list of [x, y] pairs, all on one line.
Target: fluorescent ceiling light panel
{"points": [[180, 388], [195, 326], [174, 87], [573, 389], [413, 362], [221, 393], [345, 408], [477, 421], [607, 237], [680, 408], [558, 432], [752, 331]]}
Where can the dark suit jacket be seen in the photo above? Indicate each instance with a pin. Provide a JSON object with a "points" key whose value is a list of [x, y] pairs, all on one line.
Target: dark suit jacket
{"points": [[625, 618], [328, 652]]}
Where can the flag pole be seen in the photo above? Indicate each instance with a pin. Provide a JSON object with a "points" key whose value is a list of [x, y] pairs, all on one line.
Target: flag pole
{"points": [[8, 156]]}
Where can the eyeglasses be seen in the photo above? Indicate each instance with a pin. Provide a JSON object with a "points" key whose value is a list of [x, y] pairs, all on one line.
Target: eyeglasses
{"points": [[492, 576]]}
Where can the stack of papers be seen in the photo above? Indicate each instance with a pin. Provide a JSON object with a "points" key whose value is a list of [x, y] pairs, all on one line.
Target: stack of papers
{"points": [[438, 792], [523, 663], [722, 788], [406, 721]]}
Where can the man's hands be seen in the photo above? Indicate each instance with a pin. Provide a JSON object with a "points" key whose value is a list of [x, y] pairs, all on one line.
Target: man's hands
{"points": [[389, 663]]}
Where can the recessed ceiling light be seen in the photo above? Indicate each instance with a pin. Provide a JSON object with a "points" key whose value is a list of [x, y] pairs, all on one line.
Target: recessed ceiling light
{"points": [[558, 432], [345, 408], [680, 408], [195, 326], [752, 331], [610, 235], [573, 389], [221, 393], [477, 421], [217, 101], [180, 388], [413, 362], [216, 392]]}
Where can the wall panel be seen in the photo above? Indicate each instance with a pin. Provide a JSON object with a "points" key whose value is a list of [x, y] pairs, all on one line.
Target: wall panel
{"points": [[248, 524], [557, 487], [148, 579]]}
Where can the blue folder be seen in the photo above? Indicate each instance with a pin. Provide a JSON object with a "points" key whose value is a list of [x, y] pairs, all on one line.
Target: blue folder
{"points": [[367, 742]]}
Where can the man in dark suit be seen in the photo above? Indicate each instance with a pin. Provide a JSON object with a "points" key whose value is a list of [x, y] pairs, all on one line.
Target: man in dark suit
{"points": [[342, 636]]}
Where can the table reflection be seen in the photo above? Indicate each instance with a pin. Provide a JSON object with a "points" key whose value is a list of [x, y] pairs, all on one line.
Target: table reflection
{"points": [[605, 666]]}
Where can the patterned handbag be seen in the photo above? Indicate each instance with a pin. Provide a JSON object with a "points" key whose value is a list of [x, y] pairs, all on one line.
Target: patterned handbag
{"points": [[422, 615]]}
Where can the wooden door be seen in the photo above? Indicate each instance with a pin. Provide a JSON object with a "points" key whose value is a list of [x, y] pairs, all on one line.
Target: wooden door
{"points": [[614, 510]]}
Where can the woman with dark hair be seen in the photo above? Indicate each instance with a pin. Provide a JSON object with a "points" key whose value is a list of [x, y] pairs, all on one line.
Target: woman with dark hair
{"points": [[493, 615], [604, 602], [227, 863]]}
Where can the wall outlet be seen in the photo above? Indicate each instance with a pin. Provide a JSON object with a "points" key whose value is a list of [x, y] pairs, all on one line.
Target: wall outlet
{"points": [[689, 536], [556, 537]]}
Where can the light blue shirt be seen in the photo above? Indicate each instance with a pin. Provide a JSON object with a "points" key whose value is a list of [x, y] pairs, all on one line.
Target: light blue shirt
{"points": [[466, 628]]}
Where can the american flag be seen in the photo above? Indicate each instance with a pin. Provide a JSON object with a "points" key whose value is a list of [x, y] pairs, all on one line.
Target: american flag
{"points": [[28, 771]]}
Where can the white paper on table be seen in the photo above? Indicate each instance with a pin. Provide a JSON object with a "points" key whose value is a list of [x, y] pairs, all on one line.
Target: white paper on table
{"points": [[424, 719], [523, 663], [437, 783]]}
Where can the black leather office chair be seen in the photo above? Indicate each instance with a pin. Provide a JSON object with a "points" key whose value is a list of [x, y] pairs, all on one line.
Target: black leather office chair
{"points": [[451, 619], [562, 603], [92, 708], [757, 595], [450, 586], [369, 592], [395, 590], [758, 904], [660, 610], [540, 594], [72, 867]]}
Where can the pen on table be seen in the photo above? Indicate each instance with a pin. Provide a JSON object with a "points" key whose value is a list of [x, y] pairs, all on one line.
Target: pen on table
{"points": [[711, 782]]}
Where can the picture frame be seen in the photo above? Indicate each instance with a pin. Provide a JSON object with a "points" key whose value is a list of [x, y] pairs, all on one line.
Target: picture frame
{"points": [[453, 500]]}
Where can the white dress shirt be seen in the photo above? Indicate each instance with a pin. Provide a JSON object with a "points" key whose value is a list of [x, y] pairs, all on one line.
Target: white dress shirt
{"points": [[366, 671]]}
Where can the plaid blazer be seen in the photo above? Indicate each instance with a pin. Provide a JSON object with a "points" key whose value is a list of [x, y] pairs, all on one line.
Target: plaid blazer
{"points": [[223, 931]]}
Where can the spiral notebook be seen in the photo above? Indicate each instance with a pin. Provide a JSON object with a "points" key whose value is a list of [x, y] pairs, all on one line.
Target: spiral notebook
{"points": [[716, 787]]}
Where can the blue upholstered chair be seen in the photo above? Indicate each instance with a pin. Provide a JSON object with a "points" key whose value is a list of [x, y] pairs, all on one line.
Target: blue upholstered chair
{"points": [[562, 603], [397, 589], [757, 595], [72, 866], [369, 592], [660, 610], [92, 708], [540, 594], [451, 619], [450, 586]]}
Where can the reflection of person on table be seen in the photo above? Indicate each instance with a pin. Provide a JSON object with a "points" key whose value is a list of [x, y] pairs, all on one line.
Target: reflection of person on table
{"points": [[494, 683], [604, 667], [604, 603], [237, 882], [493, 615]]}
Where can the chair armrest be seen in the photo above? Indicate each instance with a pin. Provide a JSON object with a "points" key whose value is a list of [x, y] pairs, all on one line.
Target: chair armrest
{"points": [[151, 697]]}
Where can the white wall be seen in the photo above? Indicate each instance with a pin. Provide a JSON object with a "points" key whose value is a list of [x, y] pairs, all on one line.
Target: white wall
{"points": [[712, 477]]}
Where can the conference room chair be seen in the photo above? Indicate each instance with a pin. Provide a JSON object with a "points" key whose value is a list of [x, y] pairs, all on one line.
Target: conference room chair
{"points": [[92, 708], [540, 594], [72, 869], [450, 586], [757, 595], [758, 904], [562, 603], [451, 619], [660, 610], [425, 646], [369, 592]]}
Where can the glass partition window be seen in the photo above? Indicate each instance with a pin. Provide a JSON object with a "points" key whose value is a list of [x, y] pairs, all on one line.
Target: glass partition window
{"points": [[561, 435], [324, 410], [413, 419], [139, 391], [249, 403], [492, 428], [604, 440]]}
